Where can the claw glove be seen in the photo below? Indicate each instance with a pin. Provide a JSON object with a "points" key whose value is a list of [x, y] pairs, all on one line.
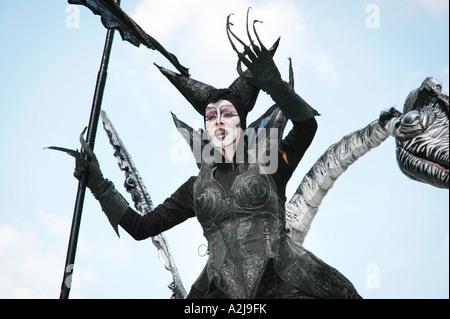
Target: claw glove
{"points": [[111, 201], [265, 75]]}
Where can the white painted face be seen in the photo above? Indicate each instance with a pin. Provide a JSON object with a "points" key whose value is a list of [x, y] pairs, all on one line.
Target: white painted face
{"points": [[223, 125]]}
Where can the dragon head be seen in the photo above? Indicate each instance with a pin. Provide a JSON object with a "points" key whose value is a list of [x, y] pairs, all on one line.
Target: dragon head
{"points": [[422, 135]]}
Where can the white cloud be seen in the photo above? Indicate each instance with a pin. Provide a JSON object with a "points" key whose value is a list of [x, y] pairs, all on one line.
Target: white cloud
{"points": [[32, 254], [326, 68], [28, 264]]}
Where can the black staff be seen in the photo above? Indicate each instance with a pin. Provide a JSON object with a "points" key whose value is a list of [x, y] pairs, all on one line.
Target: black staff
{"points": [[91, 133], [113, 17]]}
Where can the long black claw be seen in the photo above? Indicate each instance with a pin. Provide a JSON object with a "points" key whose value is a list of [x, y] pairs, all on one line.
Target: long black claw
{"points": [[232, 33], [86, 148], [248, 31], [228, 33], [247, 49], [82, 141], [252, 42], [263, 48], [74, 153]]}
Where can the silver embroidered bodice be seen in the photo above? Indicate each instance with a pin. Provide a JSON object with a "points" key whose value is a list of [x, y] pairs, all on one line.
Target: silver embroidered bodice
{"points": [[245, 228]]}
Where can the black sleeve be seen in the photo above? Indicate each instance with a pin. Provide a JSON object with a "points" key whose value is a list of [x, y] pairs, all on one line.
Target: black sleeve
{"points": [[173, 211], [292, 149], [298, 140]]}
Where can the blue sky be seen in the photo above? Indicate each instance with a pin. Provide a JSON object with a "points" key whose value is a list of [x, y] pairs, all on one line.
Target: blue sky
{"points": [[386, 233]]}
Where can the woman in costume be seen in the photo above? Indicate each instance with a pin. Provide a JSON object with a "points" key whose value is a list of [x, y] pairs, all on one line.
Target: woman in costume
{"points": [[238, 202]]}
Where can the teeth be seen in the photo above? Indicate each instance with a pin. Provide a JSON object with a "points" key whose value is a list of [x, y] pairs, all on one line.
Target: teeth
{"points": [[422, 167], [220, 133]]}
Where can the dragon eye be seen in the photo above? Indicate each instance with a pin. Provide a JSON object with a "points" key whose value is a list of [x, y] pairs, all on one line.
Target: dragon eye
{"points": [[415, 122], [411, 117]]}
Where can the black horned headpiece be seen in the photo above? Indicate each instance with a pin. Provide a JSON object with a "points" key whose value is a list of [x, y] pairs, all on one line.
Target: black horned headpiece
{"points": [[241, 93]]}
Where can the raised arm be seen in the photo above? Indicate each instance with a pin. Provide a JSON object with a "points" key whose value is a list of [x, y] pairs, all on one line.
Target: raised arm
{"points": [[264, 74]]}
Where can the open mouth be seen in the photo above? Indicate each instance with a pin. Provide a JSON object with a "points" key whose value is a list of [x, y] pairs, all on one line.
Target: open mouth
{"points": [[220, 133], [424, 168], [430, 155]]}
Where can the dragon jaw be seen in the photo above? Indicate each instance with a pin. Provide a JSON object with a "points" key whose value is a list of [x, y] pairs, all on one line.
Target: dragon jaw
{"points": [[422, 136]]}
